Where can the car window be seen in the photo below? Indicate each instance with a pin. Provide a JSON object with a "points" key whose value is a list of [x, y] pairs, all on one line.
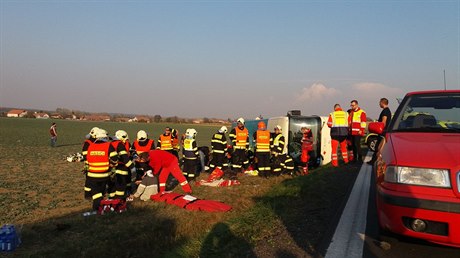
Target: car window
{"points": [[429, 113]]}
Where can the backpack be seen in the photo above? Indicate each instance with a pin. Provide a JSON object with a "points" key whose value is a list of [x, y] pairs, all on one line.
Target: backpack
{"points": [[112, 205]]}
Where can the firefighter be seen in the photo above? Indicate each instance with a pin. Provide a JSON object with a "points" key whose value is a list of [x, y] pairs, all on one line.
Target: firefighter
{"points": [[90, 138], [165, 142], [175, 142], [190, 154], [239, 137], [357, 126], [277, 149], [141, 144], [101, 156], [219, 149], [307, 146], [164, 163], [125, 167], [262, 141], [338, 122]]}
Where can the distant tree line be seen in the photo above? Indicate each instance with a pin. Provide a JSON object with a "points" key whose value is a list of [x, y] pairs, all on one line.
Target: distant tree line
{"points": [[65, 113]]}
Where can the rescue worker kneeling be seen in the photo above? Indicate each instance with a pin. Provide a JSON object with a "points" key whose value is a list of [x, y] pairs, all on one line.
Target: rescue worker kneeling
{"points": [[101, 156], [164, 163]]}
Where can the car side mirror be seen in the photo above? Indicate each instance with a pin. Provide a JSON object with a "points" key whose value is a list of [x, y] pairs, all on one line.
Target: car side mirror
{"points": [[376, 127]]}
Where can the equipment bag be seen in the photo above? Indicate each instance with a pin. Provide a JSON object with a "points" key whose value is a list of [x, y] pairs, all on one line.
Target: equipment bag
{"points": [[112, 205]]}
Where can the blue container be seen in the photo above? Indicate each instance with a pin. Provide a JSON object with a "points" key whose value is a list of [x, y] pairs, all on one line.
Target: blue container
{"points": [[9, 238]]}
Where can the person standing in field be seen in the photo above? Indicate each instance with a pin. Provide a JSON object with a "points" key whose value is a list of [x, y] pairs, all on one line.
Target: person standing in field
{"points": [[53, 134], [239, 136], [101, 157]]}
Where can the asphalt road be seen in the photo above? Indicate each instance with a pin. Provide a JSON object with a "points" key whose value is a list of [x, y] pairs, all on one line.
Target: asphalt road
{"points": [[357, 233]]}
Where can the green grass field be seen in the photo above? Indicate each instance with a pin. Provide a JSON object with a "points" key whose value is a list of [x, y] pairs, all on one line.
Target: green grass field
{"points": [[42, 194]]}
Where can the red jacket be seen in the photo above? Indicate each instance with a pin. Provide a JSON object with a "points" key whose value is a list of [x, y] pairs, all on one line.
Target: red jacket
{"points": [[161, 159]]}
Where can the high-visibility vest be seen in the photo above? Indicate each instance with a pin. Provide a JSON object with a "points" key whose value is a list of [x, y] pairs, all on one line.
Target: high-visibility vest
{"points": [[263, 141], [146, 148], [98, 160], [190, 149], [339, 123], [356, 124], [166, 142], [241, 137]]}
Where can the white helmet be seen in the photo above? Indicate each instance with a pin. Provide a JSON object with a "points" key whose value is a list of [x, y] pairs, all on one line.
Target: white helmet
{"points": [[278, 127], [121, 135], [141, 135], [223, 129], [93, 131], [240, 120], [190, 132], [101, 134]]}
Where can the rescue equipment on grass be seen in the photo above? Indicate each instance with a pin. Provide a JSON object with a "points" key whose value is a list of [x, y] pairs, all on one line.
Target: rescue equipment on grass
{"points": [[112, 205], [215, 179], [190, 202], [76, 157]]}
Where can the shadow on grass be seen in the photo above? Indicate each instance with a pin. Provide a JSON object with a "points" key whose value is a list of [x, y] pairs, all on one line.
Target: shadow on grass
{"points": [[111, 235], [69, 144], [309, 207], [221, 242]]}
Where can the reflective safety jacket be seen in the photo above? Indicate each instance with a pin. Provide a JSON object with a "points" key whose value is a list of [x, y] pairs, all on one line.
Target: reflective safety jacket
{"points": [[240, 138], [190, 150], [262, 140], [165, 142], [86, 144], [144, 146], [357, 122], [219, 143], [124, 163], [100, 156], [278, 143], [338, 122]]}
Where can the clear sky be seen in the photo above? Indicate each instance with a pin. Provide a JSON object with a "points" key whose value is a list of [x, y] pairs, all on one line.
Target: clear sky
{"points": [[224, 59]]}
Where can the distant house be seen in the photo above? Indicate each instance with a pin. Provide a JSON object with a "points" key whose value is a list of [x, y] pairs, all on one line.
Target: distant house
{"points": [[97, 118], [141, 119], [56, 116], [40, 115], [16, 113]]}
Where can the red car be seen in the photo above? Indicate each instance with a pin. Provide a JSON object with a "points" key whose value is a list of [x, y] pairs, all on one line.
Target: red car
{"points": [[418, 168]]}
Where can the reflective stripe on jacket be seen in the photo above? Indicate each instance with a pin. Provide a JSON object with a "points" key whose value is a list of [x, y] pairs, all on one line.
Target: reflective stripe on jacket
{"points": [[357, 121], [165, 142], [262, 141], [338, 122]]}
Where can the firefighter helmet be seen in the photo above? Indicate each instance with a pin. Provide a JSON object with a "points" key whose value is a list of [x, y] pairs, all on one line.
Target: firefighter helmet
{"points": [[191, 133], [240, 120], [261, 125], [223, 129], [93, 131], [101, 134], [141, 135], [121, 135]]}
